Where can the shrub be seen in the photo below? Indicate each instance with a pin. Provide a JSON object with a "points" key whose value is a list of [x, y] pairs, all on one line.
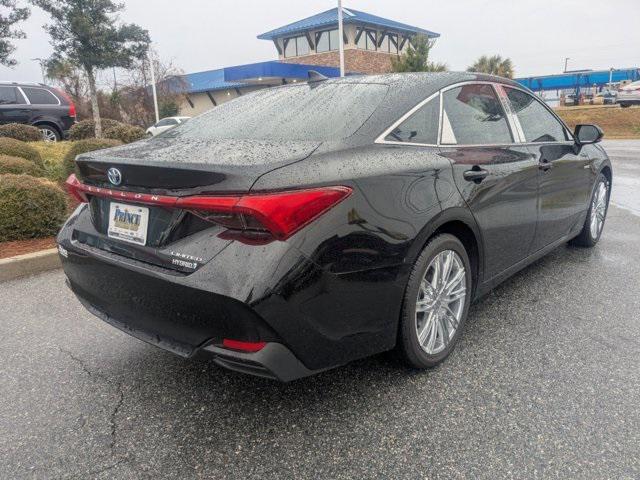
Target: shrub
{"points": [[19, 131], [30, 207], [125, 133], [16, 148], [52, 154], [84, 146], [87, 128], [17, 165]]}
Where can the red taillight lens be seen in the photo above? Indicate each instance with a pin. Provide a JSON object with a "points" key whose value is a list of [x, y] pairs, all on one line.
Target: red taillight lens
{"points": [[72, 106], [74, 187], [281, 214], [250, 347]]}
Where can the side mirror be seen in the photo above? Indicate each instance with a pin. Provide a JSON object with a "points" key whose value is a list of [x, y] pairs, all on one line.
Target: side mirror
{"points": [[586, 134]]}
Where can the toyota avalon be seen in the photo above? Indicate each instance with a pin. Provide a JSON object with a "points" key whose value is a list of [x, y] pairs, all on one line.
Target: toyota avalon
{"points": [[298, 228]]}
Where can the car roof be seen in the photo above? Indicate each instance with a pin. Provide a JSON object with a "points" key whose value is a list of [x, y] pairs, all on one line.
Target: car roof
{"points": [[23, 84]]}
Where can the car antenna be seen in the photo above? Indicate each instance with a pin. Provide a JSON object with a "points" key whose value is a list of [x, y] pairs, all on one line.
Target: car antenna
{"points": [[315, 76]]}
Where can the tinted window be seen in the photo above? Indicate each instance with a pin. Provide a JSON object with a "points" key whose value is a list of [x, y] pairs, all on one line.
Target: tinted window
{"points": [[420, 127], [473, 115], [40, 96], [538, 124], [324, 111], [10, 95]]}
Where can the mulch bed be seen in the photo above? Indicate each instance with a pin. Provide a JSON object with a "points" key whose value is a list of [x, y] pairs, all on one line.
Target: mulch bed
{"points": [[20, 247]]}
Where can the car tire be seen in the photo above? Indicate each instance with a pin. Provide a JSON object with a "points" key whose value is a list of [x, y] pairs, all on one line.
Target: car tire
{"points": [[596, 215], [430, 324], [49, 133], [625, 105]]}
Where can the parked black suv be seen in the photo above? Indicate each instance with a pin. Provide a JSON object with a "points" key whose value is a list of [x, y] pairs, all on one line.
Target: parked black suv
{"points": [[47, 108]]}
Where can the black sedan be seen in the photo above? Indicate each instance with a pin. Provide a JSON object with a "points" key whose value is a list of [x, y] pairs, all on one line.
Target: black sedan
{"points": [[298, 228]]}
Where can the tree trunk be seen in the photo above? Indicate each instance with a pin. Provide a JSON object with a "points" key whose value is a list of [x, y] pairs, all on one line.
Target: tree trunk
{"points": [[95, 108]]}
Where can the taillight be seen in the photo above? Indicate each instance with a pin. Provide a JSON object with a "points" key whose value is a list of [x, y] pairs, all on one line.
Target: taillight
{"points": [[281, 214], [249, 347], [72, 106], [74, 187]]}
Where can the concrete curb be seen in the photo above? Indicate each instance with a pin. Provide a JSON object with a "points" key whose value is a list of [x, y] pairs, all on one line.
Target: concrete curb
{"points": [[29, 264]]}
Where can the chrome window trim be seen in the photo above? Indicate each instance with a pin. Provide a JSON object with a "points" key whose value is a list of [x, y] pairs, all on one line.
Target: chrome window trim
{"points": [[24, 97], [394, 125], [512, 120]]}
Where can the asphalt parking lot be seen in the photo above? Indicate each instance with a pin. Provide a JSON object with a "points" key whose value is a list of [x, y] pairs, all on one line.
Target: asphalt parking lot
{"points": [[545, 383]]}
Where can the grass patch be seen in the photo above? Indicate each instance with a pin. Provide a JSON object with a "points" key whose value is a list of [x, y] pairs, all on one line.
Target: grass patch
{"points": [[52, 156], [623, 123]]}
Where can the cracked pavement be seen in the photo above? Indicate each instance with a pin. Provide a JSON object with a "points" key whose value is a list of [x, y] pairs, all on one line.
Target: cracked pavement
{"points": [[545, 383]]}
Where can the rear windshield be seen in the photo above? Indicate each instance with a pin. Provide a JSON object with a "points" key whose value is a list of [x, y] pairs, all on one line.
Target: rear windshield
{"points": [[301, 112]]}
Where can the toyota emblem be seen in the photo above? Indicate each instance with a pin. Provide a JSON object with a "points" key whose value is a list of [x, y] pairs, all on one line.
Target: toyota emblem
{"points": [[114, 176]]}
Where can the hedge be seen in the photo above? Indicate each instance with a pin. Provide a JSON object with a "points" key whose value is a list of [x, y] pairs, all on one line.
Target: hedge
{"points": [[17, 165], [19, 131], [125, 133], [30, 207], [84, 146], [87, 128], [17, 148]]}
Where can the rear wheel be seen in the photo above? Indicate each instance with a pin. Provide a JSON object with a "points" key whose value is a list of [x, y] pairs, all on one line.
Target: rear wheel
{"points": [[625, 105], [594, 223], [436, 302], [49, 134]]}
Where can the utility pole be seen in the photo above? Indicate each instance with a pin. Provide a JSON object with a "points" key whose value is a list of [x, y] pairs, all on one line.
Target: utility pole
{"points": [[566, 64], [341, 37], [153, 88]]}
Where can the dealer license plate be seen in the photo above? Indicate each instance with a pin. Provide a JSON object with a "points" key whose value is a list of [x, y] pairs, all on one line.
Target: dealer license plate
{"points": [[128, 223]]}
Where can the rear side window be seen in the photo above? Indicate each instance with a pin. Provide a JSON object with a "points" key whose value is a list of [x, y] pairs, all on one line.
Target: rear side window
{"points": [[40, 96], [537, 123], [473, 115], [10, 96], [420, 127], [166, 122]]}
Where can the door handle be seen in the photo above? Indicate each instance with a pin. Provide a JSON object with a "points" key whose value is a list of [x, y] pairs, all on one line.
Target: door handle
{"points": [[545, 165], [475, 175]]}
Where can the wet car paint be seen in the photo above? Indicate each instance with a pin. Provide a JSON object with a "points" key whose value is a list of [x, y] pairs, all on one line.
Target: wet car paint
{"points": [[332, 292]]}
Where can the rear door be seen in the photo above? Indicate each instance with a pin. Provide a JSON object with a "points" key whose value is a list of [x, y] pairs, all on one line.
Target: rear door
{"points": [[565, 174], [13, 106], [44, 104], [497, 177]]}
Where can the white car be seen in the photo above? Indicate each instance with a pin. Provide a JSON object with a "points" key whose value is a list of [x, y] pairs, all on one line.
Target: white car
{"points": [[629, 95], [165, 124]]}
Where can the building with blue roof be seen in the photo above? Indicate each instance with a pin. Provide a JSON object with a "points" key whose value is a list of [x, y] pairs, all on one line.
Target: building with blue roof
{"points": [[369, 41], [308, 44]]}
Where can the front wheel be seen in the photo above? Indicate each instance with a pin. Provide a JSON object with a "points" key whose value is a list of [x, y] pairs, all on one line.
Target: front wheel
{"points": [[436, 302], [594, 223]]}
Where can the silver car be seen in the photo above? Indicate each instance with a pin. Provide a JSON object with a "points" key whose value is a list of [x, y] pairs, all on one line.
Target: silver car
{"points": [[629, 95], [165, 124]]}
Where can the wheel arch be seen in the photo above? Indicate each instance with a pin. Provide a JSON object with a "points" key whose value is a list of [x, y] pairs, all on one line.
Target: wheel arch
{"points": [[48, 123], [459, 222]]}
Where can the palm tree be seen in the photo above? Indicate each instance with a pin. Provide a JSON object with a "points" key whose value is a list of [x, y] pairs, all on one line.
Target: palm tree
{"points": [[494, 65]]}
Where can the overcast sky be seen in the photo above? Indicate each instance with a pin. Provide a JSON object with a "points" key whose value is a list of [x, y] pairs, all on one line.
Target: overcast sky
{"points": [[537, 35]]}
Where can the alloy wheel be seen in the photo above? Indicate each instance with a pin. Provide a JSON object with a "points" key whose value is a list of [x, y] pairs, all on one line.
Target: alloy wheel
{"points": [[48, 135], [441, 300], [598, 209]]}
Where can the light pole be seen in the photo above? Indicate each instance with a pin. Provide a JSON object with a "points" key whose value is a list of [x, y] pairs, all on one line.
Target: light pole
{"points": [[566, 64], [340, 38], [153, 88]]}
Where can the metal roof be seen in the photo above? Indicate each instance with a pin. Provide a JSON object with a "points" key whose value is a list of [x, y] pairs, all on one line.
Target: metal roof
{"points": [[240, 75], [330, 18], [577, 80]]}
